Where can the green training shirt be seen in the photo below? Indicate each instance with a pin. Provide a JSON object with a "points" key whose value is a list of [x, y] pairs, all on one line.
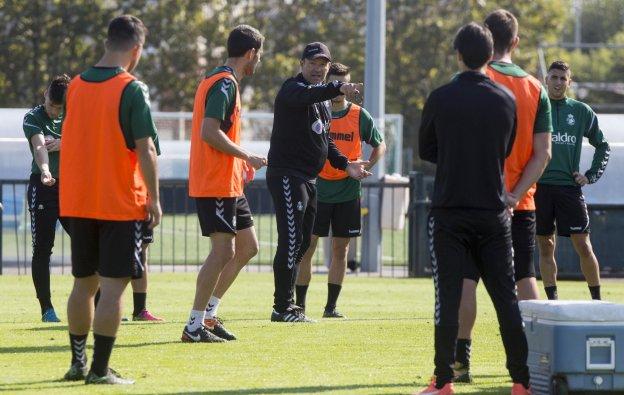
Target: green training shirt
{"points": [[221, 98], [135, 116], [573, 120], [338, 191], [37, 121]]}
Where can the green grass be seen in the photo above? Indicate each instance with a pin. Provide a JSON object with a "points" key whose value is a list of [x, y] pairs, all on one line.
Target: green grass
{"points": [[178, 241], [384, 347]]}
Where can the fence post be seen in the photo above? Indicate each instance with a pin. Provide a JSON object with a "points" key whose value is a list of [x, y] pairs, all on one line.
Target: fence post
{"points": [[417, 232]]}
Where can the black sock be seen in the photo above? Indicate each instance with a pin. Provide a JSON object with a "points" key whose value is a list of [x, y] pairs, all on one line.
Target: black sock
{"points": [[102, 348], [595, 292], [139, 302], [333, 291], [78, 344], [462, 351], [97, 298], [551, 292], [45, 304], [301, 291]]}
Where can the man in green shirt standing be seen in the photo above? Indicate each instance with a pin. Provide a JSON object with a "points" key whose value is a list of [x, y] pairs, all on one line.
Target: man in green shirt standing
{"points": [[559, 199], [42, 128], [338, 194]]}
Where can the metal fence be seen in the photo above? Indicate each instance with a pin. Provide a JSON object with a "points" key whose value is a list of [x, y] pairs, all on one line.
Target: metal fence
{"points": [[606, 222], [178, 244]]}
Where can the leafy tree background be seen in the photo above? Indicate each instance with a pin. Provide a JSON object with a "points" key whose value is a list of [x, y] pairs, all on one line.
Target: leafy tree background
{"points": [[41, 38]]}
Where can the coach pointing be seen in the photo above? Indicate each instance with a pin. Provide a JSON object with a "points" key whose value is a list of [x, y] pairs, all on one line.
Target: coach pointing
{"points": [[300, 144]]}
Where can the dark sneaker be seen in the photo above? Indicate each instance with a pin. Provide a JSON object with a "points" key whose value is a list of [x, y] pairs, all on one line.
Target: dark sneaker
{"points": [[461, 373], [49, 316], [215, 326], [111, 378], [76, 372], [200, 335], [333, 314], [292, 314]]}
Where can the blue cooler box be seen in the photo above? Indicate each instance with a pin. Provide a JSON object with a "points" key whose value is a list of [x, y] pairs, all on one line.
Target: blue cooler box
{"points": [[574, 346]]}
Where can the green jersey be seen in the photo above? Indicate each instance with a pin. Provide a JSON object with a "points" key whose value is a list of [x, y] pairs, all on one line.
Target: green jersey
{"points": [[37, 121], [573, 120], [221, 98], [135, 116], [337, 191]]}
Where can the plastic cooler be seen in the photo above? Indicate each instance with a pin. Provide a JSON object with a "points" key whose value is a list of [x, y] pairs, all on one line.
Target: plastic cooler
{"points": [[574, 346]]}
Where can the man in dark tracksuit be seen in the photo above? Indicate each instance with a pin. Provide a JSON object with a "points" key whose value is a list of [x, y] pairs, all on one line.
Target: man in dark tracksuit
{"points": [[468, 129], [300, 144]]}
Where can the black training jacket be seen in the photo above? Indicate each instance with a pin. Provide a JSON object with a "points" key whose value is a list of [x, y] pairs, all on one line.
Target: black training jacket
{"points": [[300, 141], [468, 128]]}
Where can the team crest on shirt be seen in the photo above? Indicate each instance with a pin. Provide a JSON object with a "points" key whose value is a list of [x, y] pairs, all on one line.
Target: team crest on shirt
{"points": [[299, 206], [317, 126], [570, 120]]}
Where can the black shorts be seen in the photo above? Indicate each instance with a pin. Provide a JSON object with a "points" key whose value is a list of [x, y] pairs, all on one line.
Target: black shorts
{"points": [[223, 215], [108, 248], [344, 217], [563, 206], [523, 241], [148, 234]]}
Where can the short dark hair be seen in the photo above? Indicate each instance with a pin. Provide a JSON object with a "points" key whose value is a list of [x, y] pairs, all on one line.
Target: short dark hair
{"points": [[124, 32], [243, 38], [474, 43], [338, 69], [560, 65], [504, 27], [58, 88]]}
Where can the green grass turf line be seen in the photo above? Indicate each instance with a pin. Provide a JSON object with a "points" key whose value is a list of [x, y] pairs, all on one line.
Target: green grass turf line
{"points": [[385, 347]]}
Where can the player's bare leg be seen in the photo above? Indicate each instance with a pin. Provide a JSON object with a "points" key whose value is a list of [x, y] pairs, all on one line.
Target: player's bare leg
{"points": [[589, 263], [548, 265], [467, 318]]}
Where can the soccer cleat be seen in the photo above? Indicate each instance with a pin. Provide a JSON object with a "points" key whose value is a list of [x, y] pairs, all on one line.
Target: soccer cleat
{"points": [[49, 316], [200, 335], [145, 315], [292, 314], [461, 373], [432, 390], [333, 314], [76, 372], [111, 377], [519, 389], [215, 326]]}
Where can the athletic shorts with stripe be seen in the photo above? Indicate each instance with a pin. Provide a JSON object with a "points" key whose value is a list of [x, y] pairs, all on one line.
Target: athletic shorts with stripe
{"points": [[344, 218], [223, 215], [563, 206], [109, 248], [523, 240]]}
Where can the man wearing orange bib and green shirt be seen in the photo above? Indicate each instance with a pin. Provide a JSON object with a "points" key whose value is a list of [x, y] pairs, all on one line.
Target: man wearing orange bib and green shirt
{"points": [[109, 189], [338, 194], [559, 197], [219, 167], [524, 166]]}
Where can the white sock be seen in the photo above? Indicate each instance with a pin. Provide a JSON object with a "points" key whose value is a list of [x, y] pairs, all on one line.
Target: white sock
{"points": [[212, 307], [195, 320]]}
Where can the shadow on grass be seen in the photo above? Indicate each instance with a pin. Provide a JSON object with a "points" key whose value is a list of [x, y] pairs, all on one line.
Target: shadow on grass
{"points": [[297, 390], [36, 349], [41, 384]]}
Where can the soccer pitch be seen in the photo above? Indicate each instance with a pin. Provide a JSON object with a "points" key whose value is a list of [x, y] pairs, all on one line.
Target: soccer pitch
{"points": [[385, 347]]}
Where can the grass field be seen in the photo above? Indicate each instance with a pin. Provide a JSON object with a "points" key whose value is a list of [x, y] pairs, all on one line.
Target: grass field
{"points": [[385, 347]]}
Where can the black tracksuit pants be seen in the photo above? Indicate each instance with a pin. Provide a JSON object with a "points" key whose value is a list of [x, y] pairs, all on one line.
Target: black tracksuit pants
{"points": [[43, 204], [294, 200], [461, 237]]}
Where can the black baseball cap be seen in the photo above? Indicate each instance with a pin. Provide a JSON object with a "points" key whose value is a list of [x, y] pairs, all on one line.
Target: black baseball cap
{"points": [[316, 50]]}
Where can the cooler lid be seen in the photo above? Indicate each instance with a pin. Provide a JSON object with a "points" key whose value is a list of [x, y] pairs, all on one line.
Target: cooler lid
{"points": [[573, 310]]}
